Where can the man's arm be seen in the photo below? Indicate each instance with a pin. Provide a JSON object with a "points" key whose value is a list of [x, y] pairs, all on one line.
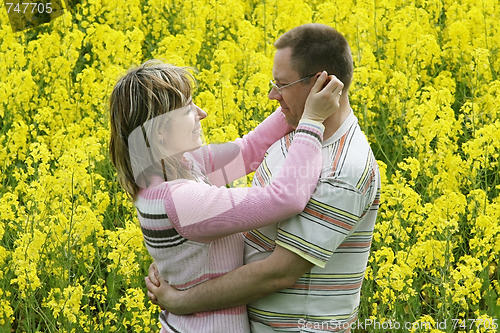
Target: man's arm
{"points": [[238, 287]]}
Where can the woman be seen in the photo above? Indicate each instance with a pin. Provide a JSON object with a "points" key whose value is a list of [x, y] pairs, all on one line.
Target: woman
{"points": [[191, 222]]}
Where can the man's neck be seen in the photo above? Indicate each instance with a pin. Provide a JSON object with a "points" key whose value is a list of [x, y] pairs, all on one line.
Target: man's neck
{"points": [[333, 123]]}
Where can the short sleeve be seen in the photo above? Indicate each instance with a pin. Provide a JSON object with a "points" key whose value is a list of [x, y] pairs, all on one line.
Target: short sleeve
{"points": [[329, 217]]}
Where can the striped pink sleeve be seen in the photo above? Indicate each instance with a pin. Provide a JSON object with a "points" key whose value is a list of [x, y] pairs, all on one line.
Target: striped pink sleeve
{"points": [[255, 144], [203, 213], [226, 162]]}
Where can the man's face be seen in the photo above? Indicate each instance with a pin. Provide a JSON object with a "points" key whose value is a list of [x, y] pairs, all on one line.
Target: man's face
{"points": [[293, 98]]}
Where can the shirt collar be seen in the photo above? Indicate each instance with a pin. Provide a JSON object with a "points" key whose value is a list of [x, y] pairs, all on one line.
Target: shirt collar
{"points": [[346, 125]]}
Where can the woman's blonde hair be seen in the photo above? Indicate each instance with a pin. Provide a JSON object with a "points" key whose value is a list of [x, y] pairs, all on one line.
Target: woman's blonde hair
{"points": [[142, 94]]}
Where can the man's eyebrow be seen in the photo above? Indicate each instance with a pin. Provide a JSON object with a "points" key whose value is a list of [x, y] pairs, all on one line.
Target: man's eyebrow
{"points": [[277, 80], [282, 80]]}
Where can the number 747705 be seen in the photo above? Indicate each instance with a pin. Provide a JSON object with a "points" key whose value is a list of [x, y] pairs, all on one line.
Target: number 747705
{"points": [[39, 7]]}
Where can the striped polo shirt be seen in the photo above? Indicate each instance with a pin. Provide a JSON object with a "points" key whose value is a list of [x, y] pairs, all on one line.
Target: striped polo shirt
{"points": [[334, 232]]}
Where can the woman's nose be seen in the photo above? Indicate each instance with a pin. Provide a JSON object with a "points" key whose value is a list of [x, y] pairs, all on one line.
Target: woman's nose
{"points": [[202, 114]]}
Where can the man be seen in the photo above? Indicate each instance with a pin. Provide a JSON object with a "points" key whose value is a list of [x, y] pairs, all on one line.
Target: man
{"points": [[303, 274]]}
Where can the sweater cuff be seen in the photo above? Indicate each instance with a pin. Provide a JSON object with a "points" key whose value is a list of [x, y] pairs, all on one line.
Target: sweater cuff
{"points": [[311, 127], [313, 123]]}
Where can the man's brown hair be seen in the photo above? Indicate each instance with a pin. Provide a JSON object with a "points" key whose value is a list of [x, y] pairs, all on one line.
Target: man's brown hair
{"points": [[316, 48]]}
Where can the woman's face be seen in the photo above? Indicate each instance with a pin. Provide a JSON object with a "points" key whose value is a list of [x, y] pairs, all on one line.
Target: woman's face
{"points": [[182, 131]]}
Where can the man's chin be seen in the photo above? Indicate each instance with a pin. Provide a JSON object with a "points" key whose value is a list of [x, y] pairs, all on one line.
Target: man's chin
{"points": [[292, 121]]}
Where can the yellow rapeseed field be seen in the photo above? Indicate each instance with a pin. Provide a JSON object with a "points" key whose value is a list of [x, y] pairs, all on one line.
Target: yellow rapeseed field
{"points": [[426, 91]]}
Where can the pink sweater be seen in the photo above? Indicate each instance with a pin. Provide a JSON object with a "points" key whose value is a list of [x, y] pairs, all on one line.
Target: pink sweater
{"points": [[192, 228]]}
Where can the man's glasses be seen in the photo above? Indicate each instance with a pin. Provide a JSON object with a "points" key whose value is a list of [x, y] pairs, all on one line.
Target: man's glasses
{"points": [[274, 85]]}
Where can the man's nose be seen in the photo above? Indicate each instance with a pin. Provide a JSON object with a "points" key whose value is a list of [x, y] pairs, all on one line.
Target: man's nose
{"points": [[274, 94]]}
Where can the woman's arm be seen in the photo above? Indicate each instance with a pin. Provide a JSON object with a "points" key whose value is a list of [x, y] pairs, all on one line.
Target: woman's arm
{"points": [[226, 162], [255, 144], [203, 213]]}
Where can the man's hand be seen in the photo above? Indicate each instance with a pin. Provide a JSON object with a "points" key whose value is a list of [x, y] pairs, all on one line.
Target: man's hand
{"points": [[161, 293]]}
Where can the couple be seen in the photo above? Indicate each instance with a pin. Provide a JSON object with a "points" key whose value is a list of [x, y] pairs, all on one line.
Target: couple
{"points": [[310, 232]]}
